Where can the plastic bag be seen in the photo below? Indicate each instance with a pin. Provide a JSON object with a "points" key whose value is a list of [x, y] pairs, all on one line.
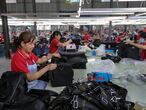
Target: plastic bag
{"points": [[133, 76], [100, 51], [99, 65], [84, 48], [71, 46]]}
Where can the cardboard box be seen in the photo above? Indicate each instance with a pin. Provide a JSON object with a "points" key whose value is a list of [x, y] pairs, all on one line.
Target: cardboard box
{"points": [[140, 106]]}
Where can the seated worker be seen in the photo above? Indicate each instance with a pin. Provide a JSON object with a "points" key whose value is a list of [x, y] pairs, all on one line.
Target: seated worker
{"points": [[141, 45], [25, 61], [55, 42], [87, 37]]}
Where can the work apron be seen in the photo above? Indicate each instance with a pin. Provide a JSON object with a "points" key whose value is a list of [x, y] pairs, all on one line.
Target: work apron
{"points": [[35, 84]]}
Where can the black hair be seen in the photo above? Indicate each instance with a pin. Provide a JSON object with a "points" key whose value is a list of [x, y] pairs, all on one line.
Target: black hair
{"points": [[143, 34], [55, 33], [24, 37]]}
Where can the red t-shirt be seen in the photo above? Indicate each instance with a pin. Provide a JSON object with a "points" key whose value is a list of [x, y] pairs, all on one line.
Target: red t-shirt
{"points": [[54, 45], [143, 54], [138, 37], [87, 37], [118, 39], [19, 63]]}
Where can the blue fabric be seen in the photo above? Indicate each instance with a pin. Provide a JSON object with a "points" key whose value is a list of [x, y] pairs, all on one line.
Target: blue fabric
{"points": [[141, 40], [103, 77], [93, 52], [109, 51], [37, 84]]}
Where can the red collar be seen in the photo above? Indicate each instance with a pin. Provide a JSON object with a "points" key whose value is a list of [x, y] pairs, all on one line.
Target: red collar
{"points": [[23, 53]]}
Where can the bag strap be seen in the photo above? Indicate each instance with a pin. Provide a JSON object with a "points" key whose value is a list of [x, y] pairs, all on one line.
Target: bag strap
{"points": [[1, 105], [12, 95]]}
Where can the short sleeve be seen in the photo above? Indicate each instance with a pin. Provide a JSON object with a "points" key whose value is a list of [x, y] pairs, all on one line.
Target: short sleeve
{"points": [[19, 65], [34, 57], [56, 42]]}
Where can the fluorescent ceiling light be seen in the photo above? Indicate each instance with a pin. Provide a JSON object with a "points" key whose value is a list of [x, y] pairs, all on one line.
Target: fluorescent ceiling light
{"points": [[137, 17], [119, 20], [140, 14], [122, 0], [73, 1], [29, 14], [10, 1], [42, 1], [106, 13], [112, 10]]}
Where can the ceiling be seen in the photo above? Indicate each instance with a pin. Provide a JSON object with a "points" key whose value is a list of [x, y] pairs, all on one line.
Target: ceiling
{"points": [[76, 12]]}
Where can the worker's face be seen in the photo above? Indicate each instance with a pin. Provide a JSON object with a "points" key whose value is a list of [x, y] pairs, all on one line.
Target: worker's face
{"points": [[58, 37], [28, 47]]}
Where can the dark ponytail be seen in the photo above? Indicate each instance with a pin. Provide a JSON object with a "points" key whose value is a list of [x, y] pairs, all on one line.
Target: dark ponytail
{"points": [[55, 33]]}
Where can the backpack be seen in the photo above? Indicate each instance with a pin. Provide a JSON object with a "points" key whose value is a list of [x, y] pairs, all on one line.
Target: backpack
{"points": [[77, 60], [62, 75], [92, 96], [128, 51], [13, 93]]}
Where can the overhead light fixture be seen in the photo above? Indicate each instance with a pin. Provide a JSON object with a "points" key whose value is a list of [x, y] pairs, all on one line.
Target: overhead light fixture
{"points": [[73, 1], [106, 13], [122, 0], [112, 10], [42, 1], [137, 17], [140, 14], [10, 1]]}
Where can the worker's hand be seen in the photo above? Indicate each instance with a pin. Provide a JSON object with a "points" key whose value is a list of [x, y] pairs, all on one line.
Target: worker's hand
{"points": [[52, 66], [49, 56], [70, 40], [56, 55], [129, 42]]}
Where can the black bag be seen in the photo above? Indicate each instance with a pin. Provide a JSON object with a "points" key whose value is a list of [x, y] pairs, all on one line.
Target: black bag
{"points": [[92, 96], [43, 95], [45, 77], [128, 51], [115, 59], [59, 60], [133, 52], [77, 62], [62, 75], [69, 55], [13, 93], [96, 42]]}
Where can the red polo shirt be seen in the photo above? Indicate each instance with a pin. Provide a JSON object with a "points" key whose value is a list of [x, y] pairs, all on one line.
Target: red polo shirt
{"points": [[54, 45], [19, 63], [143, 54], [87, 37]]}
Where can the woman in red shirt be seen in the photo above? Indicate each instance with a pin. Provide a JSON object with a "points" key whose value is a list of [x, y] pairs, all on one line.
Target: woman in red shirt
{"points": [[25, 61], [141, 45], [55, 42]]}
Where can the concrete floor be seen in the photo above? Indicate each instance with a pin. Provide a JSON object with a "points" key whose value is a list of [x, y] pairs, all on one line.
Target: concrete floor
{"points": [[4, 65]]}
